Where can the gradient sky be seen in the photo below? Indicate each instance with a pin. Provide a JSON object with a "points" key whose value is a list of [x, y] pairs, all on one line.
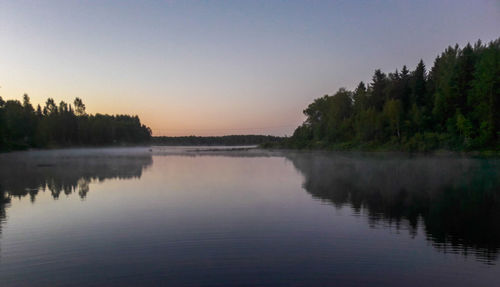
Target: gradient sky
{"points": [[221, 67]]}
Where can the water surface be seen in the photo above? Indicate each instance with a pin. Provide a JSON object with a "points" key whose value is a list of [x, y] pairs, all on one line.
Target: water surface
{"points": [[191, 217]]}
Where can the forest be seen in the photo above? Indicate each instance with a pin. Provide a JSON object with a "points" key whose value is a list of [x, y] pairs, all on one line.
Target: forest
{"points": [[454, 105], [22, 126]]}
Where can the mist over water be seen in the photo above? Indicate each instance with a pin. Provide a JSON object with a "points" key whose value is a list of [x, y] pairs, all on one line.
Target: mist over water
{"points": [[455, 200], [213, 216]]}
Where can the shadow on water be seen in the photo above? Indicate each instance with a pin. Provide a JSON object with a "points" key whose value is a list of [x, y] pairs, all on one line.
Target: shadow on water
{"points": [[455, 200]]}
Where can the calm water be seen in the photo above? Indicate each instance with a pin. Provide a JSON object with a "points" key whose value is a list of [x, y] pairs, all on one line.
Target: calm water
{"points": [[128, 217]]}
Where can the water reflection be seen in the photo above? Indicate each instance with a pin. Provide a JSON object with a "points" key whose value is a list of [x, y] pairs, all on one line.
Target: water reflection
{"points": [[27, 173], [4, 203], [456, 200]]}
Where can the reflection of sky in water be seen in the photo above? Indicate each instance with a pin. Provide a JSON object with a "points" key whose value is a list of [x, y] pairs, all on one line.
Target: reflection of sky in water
{"points": [[222, 218]]}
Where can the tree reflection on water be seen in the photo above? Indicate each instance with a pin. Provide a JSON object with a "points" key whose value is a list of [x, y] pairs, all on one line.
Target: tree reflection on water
{"points": [[27, 174], [455, 200]]}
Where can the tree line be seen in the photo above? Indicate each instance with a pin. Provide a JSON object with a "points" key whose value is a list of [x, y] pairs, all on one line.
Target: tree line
{"points": [[454, 105], [22, 126], [230, 140]]}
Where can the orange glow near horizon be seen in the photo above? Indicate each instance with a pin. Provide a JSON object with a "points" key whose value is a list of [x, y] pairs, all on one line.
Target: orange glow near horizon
{"points": [[230, 67], [170, 119]]}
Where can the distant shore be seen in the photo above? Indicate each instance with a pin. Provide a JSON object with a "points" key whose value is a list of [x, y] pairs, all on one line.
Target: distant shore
{"points": [[227, 140]]}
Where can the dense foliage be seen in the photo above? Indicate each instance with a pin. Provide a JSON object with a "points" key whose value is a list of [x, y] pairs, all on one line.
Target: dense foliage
{"points": [[453, 106], [21, 126], [230, 140]]}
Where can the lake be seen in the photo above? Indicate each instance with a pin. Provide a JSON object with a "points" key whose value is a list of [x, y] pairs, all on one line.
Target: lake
{"points": [[198, 216]]}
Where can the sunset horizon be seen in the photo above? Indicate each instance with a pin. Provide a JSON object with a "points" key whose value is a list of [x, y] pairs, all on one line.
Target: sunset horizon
{"points": [[196, 68], [250, 143]]}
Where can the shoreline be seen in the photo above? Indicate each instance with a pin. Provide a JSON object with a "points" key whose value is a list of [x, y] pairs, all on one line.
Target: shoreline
{"points": [[437, 152]]}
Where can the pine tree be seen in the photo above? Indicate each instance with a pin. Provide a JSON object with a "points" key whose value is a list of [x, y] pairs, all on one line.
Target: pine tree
{"points": [[418, 85], [378, 88]]}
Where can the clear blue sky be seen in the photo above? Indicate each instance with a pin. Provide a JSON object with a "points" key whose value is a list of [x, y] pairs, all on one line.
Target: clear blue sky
{"points": [[221, 67]]}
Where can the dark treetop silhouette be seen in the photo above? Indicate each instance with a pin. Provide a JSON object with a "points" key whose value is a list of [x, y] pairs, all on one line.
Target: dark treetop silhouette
{"points": [[21, 126], [456, 106]]}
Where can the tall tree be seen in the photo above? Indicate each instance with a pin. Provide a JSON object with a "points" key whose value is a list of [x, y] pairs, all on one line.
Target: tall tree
{"points": [[378, 87], [360, 98], [405, 88], [484, 96], [418, 85], [79, 107]]}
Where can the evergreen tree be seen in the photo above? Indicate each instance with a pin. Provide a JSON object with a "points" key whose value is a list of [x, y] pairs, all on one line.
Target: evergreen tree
{"points": [[455, 106], [378, 87], [418, 89]]}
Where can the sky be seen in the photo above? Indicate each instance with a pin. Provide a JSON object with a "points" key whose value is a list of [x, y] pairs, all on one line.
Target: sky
{"points": [[221, 67]]}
